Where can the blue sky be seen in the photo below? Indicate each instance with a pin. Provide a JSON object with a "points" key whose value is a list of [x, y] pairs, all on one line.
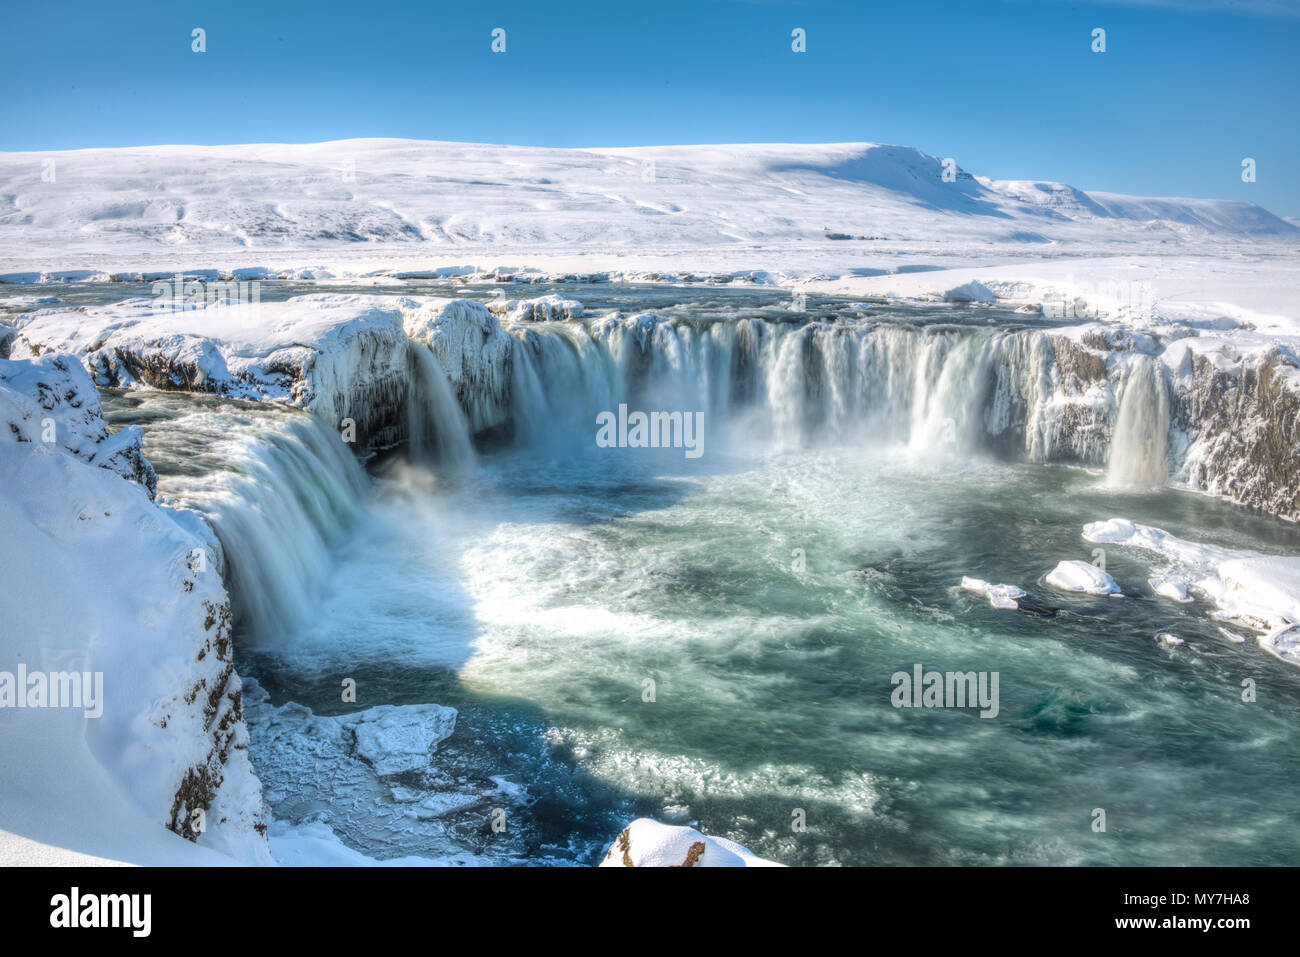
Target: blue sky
{"points": [[1010, 88]]}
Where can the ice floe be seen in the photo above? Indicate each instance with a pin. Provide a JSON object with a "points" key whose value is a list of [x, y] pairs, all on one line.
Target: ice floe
{"points": [[1082, 577], [999, 596]]}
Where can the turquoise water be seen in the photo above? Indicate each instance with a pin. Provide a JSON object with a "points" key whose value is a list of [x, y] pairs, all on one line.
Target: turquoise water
{"points": [[540, 598], [769, 592]]}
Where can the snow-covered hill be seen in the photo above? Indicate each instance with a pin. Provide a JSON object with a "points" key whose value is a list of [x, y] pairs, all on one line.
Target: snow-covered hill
{"points": [[133, 207]]}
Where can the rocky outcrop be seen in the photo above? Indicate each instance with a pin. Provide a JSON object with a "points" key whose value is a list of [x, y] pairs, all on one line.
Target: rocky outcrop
{"points": [[343, 357], [1234, 416], [1243, 423]]}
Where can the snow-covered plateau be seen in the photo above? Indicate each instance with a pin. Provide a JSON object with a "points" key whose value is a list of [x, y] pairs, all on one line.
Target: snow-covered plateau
{"points": [[1155, 339]]}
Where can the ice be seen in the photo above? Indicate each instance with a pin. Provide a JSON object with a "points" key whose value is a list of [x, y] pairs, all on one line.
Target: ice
{"points": [[1173, 590], [1259, 591], [396, 738], [543, 309], [314, 844], [1077, 576], [999, 596], [51, 399]]}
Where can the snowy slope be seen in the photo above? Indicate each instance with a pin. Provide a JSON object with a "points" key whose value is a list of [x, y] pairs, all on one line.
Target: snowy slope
{"points": [[101, 580], [138, 208]]}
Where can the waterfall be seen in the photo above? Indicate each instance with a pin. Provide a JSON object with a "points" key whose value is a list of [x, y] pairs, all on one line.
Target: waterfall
{"points": [[438, 429], [1139, 448], [280, 490], [790, 385]]}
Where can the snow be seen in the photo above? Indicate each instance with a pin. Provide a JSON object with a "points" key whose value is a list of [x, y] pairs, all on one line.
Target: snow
{"points": [[1078, 576], [550, 308], [1259, 591], [52, 400], [647, 843], [308, 351], [314, 844], [758, 211], [341, 356], [1140, 287], [970, 292], [1175, 279], [1173, 590], [81, 544], [472, 349]]}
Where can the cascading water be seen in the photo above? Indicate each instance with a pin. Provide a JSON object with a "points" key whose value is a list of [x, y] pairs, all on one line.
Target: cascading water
{"points": [[1139, 449], [790, 384], [438, 430], [277, 486]]}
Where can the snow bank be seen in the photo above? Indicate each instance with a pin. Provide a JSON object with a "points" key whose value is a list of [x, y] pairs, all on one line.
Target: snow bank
{"points": [[970, 292], [314, 844], [1077, 576], [103, 581], [52, 400], [341, 356], [647, 843]]}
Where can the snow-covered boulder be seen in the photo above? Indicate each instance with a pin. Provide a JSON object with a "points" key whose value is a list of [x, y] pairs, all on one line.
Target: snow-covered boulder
{"points": [[550, 308], [970, 292], [647, 843], [1082, 577], [52, 401]]}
